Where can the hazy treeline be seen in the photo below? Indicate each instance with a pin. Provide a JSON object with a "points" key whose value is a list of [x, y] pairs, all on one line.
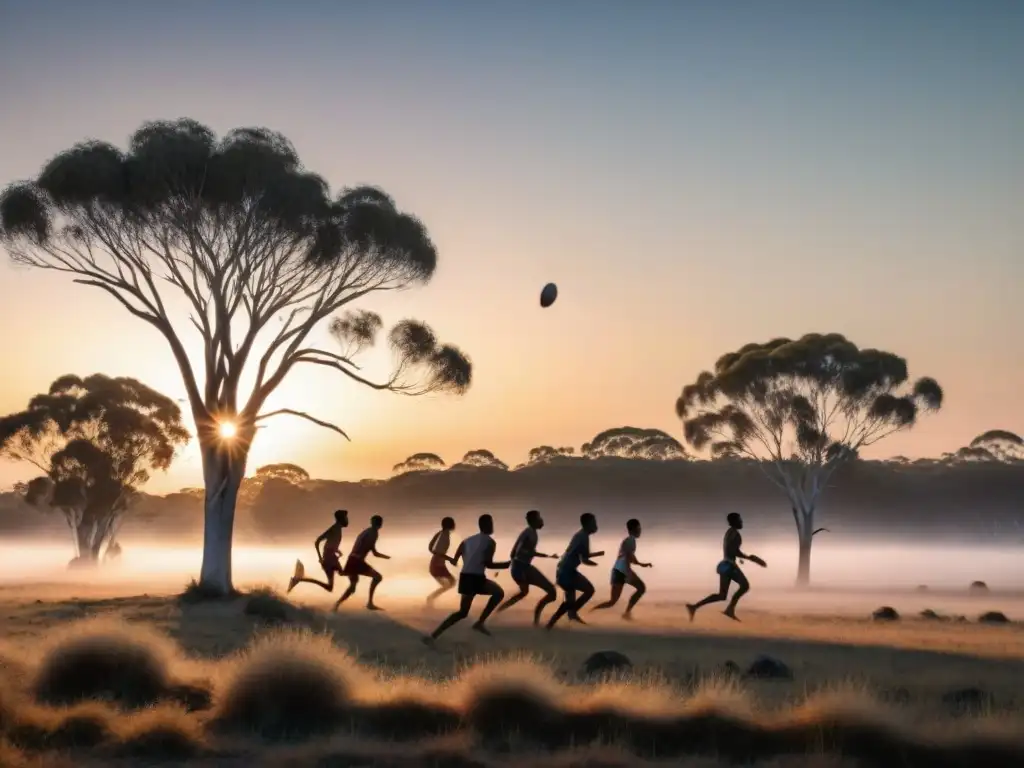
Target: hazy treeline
{"points": [[979, 500]]}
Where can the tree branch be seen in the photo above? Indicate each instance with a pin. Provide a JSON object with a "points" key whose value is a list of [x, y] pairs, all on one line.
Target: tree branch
{"points": [[306, 416]]}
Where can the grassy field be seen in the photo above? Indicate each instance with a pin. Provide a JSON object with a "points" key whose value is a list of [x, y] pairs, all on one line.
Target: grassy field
{"points": [[109, 678]]}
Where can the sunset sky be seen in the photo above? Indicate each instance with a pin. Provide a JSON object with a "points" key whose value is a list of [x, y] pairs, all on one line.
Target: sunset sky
{"points": [[693, 175]]}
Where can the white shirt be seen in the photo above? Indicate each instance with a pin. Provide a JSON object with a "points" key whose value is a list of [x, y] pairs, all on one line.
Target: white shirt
{"points": [[474, 554], [626, 548]]}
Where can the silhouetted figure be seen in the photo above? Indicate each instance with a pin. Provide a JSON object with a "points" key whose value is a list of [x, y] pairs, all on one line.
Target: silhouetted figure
{"points": [[477, 553], [623, 573], [439, 559], [524, 572], [329, 557], [356, 565], [729, 571], [577, 587]]}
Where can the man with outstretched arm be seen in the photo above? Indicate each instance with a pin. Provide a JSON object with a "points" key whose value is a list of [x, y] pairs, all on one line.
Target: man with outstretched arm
{"points": [[524, 573], [477, 554], [329, 557], [623, 573], [356, 565], [439, 560], [577, 587], [729, 571]]}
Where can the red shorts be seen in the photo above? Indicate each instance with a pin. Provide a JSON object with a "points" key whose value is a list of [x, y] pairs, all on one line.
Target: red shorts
{"points": [[439, 568], [357, 566]]}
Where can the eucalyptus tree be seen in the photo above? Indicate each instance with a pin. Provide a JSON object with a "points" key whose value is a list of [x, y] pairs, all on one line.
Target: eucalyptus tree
{"points": [[634, 443], [261, 254], [95, 441], [420, 462], [799, 409]]}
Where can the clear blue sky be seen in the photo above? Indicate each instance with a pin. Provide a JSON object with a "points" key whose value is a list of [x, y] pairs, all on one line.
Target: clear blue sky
{"points": [[695, 175]]}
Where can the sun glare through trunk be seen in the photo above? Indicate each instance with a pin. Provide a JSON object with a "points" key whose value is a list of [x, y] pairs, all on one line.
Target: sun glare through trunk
{"points": [[227, 430]]}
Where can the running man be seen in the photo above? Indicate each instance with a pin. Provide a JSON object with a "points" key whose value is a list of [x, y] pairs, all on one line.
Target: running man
{"points": [[623, 573], [524, 573], [438, 548], [477, 553], [568, 575], [356, 565], [329, 557], [729, 571]]}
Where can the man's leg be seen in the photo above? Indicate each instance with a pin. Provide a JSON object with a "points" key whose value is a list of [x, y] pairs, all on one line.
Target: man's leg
{"points": [[524, 587], [353, 579], [446, 583], [375, 580], [496, 594], [464, 606], [744, 587], [585, 591], [616, 594], [300, 578], [540, 580], [639, 588], [566, 606], [721, 594]]}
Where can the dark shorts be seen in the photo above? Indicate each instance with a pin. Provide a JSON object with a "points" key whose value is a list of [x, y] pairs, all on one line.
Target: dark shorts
{"points": [[439, 568], [331, 563], [474, 584], [572, 581], [356, 567], [521, 571], [618, 577], [527, 574]]}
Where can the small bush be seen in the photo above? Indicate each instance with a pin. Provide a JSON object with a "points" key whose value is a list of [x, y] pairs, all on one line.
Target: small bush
{"points": [[197, 593], [993, 617], [886, 613], [108, 661], [286, 686]]}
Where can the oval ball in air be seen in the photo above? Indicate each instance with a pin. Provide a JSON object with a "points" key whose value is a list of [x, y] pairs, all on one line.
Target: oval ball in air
{"points": [[548, 295]]}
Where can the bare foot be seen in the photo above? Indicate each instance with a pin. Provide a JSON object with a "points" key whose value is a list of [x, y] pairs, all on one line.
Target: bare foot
{"points": [[730, 614], [577, 619], [482, 629], [428, 641], [692, 610], [337, 605], [372, 607], [627, 616], [292, 582]]}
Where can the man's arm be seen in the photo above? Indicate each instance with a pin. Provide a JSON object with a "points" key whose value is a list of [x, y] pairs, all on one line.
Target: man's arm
{"points": [[458, 553], [490, 558], [320, 540], [373, 549], [433, 543]]}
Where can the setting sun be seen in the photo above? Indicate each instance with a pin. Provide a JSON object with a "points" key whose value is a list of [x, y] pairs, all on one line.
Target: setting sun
{"points": [[227, 430]]}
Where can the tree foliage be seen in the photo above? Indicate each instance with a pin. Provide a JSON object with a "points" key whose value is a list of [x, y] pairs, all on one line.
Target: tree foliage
{"points": [[634, 443], [420, 462], [800, 408], [481, 457], [246, 235], [96, 440], [995, 445], [545, 453]]}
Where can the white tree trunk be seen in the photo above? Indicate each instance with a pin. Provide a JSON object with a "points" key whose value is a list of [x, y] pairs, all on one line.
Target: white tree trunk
{"points": [[223, 470], [803, 514]]}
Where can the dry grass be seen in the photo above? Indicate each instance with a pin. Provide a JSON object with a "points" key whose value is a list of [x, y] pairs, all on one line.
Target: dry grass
{"points": [[158, 680]]}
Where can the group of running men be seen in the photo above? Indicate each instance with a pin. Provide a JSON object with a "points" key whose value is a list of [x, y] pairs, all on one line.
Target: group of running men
{"points": [[477, 555]]}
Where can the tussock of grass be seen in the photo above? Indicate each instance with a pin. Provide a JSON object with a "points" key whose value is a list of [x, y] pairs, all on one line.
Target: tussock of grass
{"points": [[100, 659], [195, 592], [163, 732], [102, 689]]}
